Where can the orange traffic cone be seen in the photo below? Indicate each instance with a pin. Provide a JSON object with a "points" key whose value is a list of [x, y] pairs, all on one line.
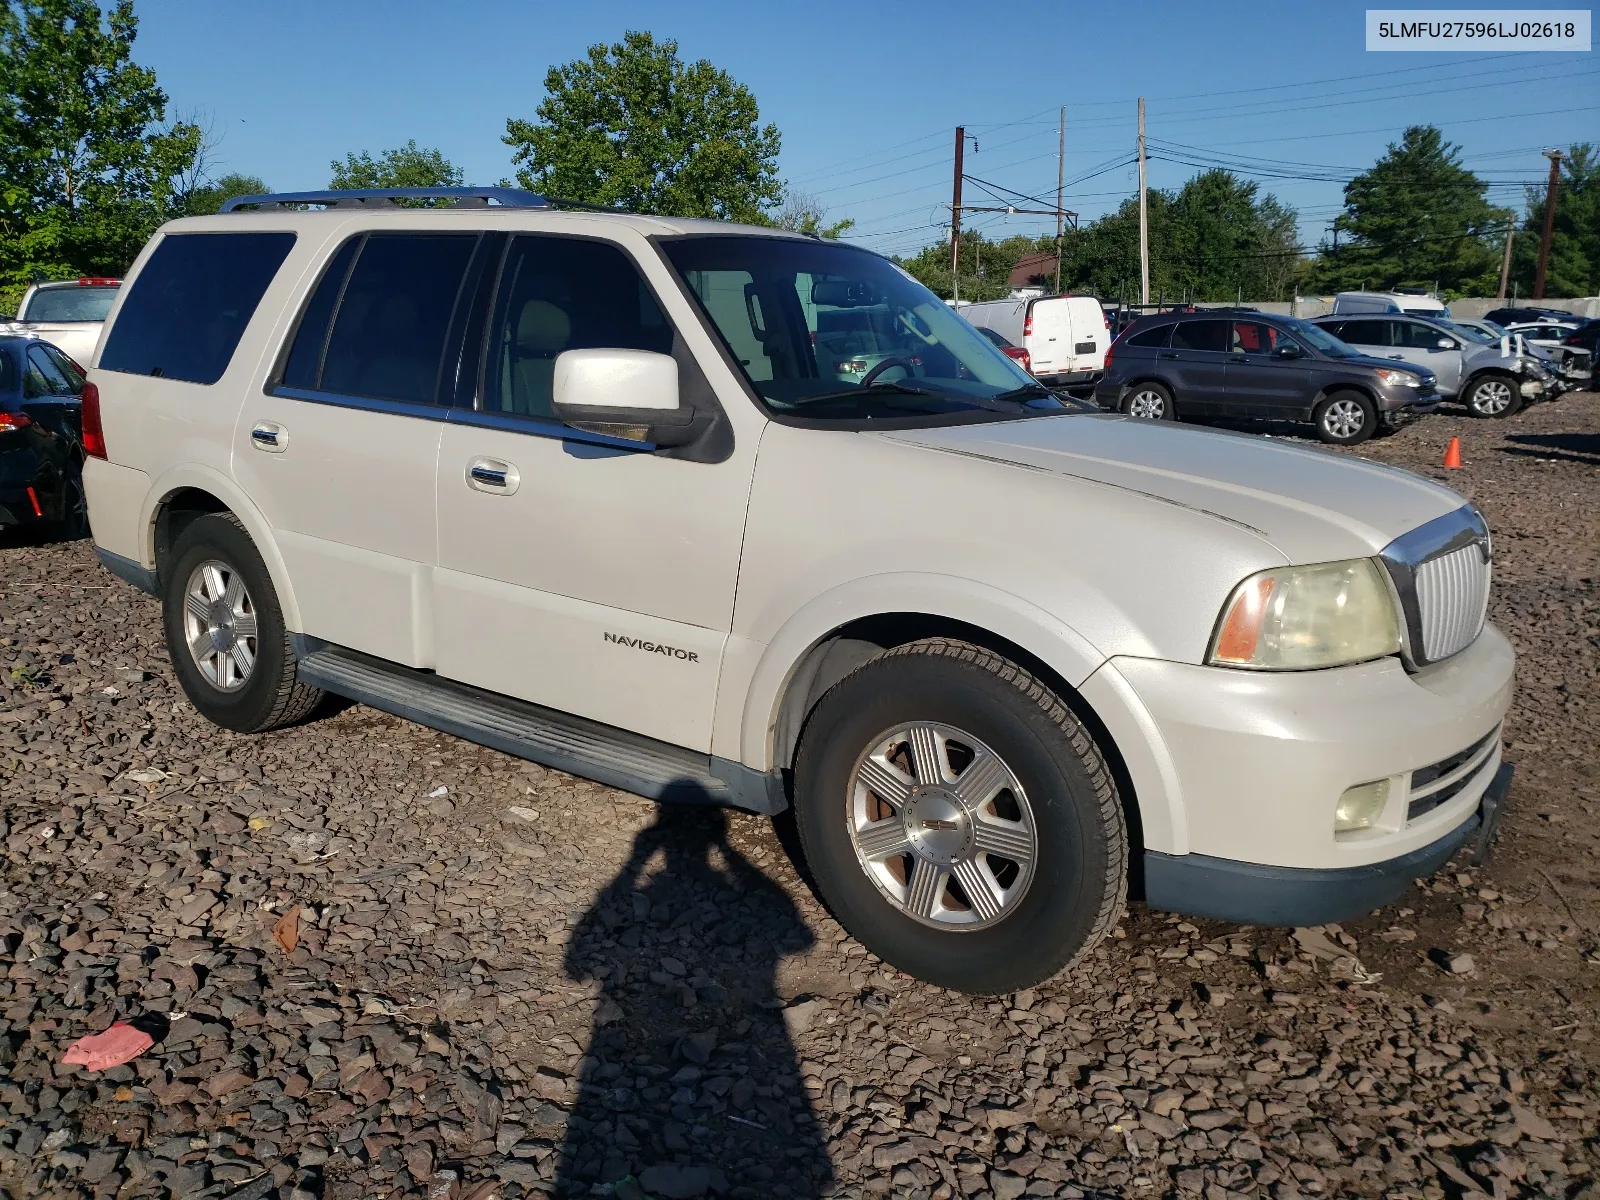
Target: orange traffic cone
{"points": [[1452, 455]]}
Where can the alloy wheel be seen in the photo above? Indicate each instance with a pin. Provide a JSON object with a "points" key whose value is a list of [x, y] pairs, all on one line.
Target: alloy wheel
{"points": [[942, 826], [219, 625], [1491, 397], [1344, 419], [1152, 406]]}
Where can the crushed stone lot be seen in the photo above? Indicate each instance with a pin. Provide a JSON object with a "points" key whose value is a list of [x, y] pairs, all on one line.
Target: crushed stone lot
{"points": [[377, 961]]}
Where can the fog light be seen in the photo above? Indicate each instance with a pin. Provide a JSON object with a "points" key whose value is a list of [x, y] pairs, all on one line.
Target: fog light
{"points": [[1361, 806]]}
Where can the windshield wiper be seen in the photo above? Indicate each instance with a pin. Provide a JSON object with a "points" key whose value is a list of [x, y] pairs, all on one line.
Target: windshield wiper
{"points": [[1023, 392], [893, 385]]}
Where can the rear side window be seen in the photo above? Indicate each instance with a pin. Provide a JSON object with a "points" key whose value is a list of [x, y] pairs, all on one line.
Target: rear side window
{"points": [[185, 313], [1200, 335], [1365, 333], [390, 319], [1156, 335]]}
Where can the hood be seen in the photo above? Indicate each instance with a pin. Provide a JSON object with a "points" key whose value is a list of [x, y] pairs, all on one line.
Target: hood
{"points": [[1312, 505]]}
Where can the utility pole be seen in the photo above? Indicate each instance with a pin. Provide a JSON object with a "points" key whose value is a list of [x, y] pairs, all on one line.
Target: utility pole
{"points": [[955, 217], [1549, 222], [1505, 263], [1144, 220], [1061, 174]]}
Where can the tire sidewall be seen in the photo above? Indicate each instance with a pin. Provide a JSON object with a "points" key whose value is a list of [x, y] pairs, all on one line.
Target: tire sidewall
{"points": [[1369, 423], [1059, 912], [214, 537]]}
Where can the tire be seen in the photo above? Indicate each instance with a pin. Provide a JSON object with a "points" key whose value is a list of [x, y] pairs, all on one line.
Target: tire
{"points": [[1149, 402], [1492, 395], [214, 555], [1345, 418], [74, 505], [1044, 914]]}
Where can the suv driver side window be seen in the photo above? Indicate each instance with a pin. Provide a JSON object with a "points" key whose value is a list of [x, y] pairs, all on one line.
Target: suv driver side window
{"points": [[557, 294]]}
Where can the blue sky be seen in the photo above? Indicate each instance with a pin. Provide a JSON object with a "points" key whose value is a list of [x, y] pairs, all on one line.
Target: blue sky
{"points": [[867, 96]]}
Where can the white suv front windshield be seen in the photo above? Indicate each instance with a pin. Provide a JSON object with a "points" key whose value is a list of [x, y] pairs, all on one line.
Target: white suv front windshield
{"points": [[832, 333]]}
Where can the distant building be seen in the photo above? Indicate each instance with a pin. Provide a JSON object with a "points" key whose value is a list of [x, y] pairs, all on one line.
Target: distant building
{"points": [[1033, 270]]}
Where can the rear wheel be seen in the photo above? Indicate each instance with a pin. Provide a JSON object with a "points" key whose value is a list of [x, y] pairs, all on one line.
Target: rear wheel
{"points": [[1150, 402], [225, 631], [1345, 418], [1492, 396], [959, 820], [74, 505]]}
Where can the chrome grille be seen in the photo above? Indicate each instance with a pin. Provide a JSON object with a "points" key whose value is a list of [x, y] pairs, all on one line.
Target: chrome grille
{"points": [[1452, 597], [1440, 573]]}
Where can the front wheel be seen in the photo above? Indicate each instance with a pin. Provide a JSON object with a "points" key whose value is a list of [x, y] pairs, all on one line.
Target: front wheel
{"points": [[1345, 418], [225, 633], [959, 820], [1492, 396]]}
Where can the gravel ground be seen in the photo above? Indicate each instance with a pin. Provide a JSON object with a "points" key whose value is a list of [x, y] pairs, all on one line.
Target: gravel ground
{"points": [[510, 982]]}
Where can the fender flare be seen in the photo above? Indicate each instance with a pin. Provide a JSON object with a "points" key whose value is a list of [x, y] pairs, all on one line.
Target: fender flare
{"points": [[208, 479], [1041, 634]]}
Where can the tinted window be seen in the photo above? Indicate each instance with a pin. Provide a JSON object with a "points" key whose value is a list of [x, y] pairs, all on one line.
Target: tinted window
{"points": [[1365, 333], [1420, 337], [1200, 335], [77, 303], [1156, 335], [8, 371], [561, 294], [390, 329], [67, 367], [311, 336], [188, 308]]}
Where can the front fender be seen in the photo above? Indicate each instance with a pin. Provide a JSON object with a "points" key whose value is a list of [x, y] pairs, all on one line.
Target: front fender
{"points": [[206, 479], [756, 677]]}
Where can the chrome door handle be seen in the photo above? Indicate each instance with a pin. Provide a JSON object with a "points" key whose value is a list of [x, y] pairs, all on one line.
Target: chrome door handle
{"points": [[493, 476], [269, 436]]}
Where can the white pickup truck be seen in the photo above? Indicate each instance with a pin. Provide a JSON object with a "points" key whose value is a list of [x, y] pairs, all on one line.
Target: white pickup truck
{"points": [[589, 488], [68, 314]]}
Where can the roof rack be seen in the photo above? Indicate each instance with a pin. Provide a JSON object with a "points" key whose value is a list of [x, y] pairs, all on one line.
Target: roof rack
{"points": [[464, 197]]}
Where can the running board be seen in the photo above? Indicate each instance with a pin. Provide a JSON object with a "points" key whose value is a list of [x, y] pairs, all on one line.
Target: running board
{"points": [[608, 755]]}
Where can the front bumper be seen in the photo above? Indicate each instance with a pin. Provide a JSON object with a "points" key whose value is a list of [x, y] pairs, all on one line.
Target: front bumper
{"points": [[1201, 886]]}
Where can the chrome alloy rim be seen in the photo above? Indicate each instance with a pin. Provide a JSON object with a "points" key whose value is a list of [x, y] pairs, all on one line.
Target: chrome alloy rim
{"points": [[942, 826], [219, 625], [1344, 418], [1147, 404], [1492, 396]]}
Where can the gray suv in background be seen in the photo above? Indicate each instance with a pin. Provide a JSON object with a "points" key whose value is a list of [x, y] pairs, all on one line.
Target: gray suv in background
{"points": [[1492, 380], [1261, 367]]}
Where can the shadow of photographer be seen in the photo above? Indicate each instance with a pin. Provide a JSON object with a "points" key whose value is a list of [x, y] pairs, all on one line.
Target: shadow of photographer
{"points": [[690, 1083]]}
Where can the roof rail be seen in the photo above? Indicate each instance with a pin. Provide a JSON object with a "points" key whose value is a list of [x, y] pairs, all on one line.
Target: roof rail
{"points": [[338, 197]]}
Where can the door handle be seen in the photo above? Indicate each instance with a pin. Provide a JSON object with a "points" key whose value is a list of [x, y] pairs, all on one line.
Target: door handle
{"points": [[1237, 358], [270, 437], [1167, 354], [493, 476], [1398, 357]]}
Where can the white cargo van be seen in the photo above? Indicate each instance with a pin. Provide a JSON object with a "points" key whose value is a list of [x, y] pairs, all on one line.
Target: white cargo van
{"points": [[1411, 303], [1066, 337]]}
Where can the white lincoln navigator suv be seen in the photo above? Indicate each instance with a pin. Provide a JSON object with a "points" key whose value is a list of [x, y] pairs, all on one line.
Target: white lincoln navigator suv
{"points": [[727, 514]]}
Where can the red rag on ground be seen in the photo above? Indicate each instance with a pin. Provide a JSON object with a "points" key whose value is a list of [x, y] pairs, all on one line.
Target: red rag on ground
{"points": [[102, 1051]]}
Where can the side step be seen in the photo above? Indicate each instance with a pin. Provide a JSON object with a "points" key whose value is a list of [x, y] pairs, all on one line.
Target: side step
{"points": [[642, 765]]}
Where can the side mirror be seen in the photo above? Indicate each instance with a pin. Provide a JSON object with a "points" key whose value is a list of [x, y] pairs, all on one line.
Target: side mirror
{"points": [[1448, 344], [629, 394], [1287, 350]]}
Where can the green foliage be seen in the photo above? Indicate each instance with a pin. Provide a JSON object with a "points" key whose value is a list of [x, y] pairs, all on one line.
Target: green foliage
{"points": [[208, 197], [1212, 239], [1418, 217], [1574, 268], [804, 213], [634, 126], [408, 166], [87, 160]]}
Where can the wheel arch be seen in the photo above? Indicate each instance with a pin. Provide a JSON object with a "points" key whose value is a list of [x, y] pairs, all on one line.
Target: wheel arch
{"points": [[1333, 389], [185, 493]]}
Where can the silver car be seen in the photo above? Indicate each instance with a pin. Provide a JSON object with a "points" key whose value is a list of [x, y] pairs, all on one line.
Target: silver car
{"points": [[1492, 379]]}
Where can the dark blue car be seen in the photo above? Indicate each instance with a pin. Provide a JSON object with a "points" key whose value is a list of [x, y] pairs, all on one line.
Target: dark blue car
{"points": [[41, 440]]}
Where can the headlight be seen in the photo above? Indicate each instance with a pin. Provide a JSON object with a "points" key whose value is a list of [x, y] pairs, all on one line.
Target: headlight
{"points": [[1302, 618], [1398, 378]]}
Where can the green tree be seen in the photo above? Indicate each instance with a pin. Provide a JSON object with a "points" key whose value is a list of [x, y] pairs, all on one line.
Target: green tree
{"points": [[408, 166], [1574, 268], [207, 198], [634, 126], [87, 158], [1418, 217]]}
